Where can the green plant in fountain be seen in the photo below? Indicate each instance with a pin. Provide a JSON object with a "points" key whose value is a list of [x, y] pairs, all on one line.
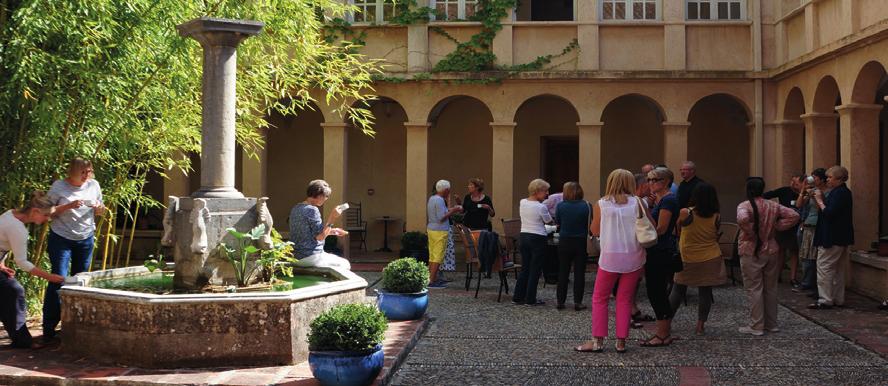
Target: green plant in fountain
{"points": [[250, 262], [405, 276], [153, 263]]}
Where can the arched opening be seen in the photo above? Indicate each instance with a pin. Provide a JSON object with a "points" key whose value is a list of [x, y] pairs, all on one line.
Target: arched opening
{"points": [[718, 142], [871, 87], [295, 155], [546, 144], [792, 136], [460, 143], [824, 132], [632, 135], [377, 168]]}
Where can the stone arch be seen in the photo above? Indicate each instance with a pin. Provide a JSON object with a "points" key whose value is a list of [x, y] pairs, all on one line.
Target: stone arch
{"points": [[546, 143], [868, 82], [294, 156], [794, 106], [717, 120], [822, 126], [632, 134], [826, 96], [376, 169], [460, 142]]}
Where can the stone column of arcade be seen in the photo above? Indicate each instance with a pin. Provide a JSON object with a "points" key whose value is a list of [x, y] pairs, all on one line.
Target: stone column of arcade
{"points": [[195, 225]]}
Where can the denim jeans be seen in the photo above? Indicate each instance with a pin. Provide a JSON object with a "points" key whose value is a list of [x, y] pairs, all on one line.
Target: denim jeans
{"points": [[62, 253], [809, 277], [13, 311], [533, 254]]}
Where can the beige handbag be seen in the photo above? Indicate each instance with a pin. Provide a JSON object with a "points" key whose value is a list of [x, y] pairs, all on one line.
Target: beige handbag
{"points": [[645, 231]]}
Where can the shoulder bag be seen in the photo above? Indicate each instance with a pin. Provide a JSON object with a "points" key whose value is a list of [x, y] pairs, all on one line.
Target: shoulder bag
{"points": [[593, 247], [644, 229]]}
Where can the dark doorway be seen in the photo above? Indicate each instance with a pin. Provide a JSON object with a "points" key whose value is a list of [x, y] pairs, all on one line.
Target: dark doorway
{"points": [[545, 10], [560, 161]]}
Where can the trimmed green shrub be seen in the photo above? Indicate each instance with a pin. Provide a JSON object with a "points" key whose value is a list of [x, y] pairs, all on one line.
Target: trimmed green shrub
{"points": [[405, 276], [347, 327], [414, 241]]}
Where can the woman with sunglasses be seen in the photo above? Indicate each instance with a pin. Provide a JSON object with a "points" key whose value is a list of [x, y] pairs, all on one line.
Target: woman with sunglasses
{"points": [[77, 200], [658, 270]]}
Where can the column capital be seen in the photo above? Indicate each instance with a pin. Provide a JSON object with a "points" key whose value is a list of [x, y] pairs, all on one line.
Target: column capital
{"points": [[785, 122], [503, 124], [210, 31], [676, 125], [593, 124], [818, 115], [417, 124], [332, 125], [848, 107]]}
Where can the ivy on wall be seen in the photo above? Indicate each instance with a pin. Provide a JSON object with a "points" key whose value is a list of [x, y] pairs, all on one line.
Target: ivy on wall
{"points": [[474, 55]]}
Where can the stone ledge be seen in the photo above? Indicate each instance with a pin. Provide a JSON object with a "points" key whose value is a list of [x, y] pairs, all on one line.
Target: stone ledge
{"points": [[870, 259]]}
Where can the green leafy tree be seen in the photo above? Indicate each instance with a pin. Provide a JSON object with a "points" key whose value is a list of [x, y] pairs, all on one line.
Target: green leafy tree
{"points": [[111, 80]]}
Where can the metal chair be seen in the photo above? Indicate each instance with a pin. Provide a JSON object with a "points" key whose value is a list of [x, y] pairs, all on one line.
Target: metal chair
{"points": [[472, 260], [727, 242], [355, 224]]}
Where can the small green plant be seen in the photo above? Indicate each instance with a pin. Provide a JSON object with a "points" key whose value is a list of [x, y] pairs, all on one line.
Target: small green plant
{"points": [[249, 260], [153, 263], [405, 276], [347, 327], [414, 241]]}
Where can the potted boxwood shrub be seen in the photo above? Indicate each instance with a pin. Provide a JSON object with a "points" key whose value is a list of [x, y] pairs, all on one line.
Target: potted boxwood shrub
{"points": [[416, 245], [404, 294], [345, 345]]}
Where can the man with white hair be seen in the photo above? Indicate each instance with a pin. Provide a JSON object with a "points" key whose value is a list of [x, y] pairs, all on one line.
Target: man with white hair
{"points": [[438, 229], [689, 181]]}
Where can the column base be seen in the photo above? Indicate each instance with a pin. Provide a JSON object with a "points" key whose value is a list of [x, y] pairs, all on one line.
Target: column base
{"points": [[217, 193]]}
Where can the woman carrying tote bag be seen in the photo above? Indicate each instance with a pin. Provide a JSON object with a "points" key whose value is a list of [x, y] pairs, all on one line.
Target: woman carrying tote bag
{"points": [[658, 269]]}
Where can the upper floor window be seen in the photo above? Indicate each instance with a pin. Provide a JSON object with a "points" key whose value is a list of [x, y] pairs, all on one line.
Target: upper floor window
{"points": [[454, 9], [630, 9], [716, 10], [373, 11]]}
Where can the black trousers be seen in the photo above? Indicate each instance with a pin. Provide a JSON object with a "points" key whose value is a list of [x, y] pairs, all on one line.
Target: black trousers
{"points": [[13, 311], [533, 254], [657, 276], [571, 252], [679, 291]]}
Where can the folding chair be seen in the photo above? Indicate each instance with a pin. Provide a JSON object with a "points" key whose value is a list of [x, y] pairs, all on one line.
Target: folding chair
{"points": [[727, 242]]}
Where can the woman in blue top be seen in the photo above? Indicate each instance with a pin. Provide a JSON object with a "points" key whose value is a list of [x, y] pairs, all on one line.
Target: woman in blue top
{"points": [[308, 232], [657, 270], [572, 216]]}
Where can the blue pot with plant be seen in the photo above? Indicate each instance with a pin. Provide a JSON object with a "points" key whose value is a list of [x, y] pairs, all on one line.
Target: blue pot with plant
{"points": [[404, 294], [345, 345]]}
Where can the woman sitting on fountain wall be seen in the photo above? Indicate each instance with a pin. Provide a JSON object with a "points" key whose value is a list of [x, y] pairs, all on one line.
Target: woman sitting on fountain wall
{"points": [[14, 237], [308, 232], [78, 200]]}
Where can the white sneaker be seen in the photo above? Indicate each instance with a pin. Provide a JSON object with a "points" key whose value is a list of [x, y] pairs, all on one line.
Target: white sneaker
{"points": [[774, 329], [750, 331]]}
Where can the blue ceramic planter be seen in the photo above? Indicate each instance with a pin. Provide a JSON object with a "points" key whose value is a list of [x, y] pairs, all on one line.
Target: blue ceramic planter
{"points": [[403, 306], [346, 368]]}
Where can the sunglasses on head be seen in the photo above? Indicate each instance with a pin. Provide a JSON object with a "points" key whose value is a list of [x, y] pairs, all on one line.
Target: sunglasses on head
{"points": [[655, 179]]}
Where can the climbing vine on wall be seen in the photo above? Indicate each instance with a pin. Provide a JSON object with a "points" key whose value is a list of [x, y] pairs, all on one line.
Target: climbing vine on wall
{"points": [[473, 55]]}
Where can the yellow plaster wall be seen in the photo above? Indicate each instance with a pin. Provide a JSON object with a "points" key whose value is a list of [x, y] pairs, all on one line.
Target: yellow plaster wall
{"points": [[295, 156], [830, 20], [460, 146], [872, 12], [719, 47], [795, 36], [379, 163], [531, 42], [440, 46], [388, 44], [631, 48]]}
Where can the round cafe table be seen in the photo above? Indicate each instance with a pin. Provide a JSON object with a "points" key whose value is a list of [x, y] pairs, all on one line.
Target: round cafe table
{"points": [[385, 221]]}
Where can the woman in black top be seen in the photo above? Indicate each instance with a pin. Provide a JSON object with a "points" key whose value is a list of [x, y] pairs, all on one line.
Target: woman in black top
{"points": [[477, 206]]}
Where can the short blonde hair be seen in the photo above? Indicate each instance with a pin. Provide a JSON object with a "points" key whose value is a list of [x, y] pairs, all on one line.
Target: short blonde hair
{"points": [[838, 172], [537, 185], [663, 173], [78, 164], [620, 182], [40, 201]]}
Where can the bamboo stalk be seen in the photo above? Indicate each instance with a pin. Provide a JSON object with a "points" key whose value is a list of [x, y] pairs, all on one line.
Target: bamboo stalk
{"points": [[107, 242], [129, 247], [97, 241], [116, 257]]}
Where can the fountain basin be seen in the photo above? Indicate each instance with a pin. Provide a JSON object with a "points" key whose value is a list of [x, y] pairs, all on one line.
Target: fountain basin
{"points": [[197, 330]]}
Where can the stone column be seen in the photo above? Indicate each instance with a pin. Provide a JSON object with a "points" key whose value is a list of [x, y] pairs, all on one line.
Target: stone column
{"points": [[674, 36], [587, 36], [675, 141], [820, 140], [418, 48], [503, 164], [789, 149], [812, 37], [418, 188], [590, 158], [860, 154], [336, 160], [502, 44], [219, 39]]}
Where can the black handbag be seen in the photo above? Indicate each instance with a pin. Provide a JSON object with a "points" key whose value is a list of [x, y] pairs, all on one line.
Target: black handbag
{"points": [[675, 262]]}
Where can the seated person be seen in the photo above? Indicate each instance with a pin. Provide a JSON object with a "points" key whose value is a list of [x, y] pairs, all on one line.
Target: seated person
{"points": [[308, 231]]}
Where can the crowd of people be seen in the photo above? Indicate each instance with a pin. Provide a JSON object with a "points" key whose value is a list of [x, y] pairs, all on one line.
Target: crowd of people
{"points": [[811, 222]]}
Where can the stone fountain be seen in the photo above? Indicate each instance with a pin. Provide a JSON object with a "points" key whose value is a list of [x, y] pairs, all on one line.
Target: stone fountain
{"points": [[202, 329]]}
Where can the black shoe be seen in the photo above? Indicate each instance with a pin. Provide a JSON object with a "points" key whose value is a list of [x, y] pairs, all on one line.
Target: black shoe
{"points": [[579, 307], [51, 339], [884, 305], [800, 289], [819, 306], [517, 301], [560, 306], [813, 295], [536, 303]]}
